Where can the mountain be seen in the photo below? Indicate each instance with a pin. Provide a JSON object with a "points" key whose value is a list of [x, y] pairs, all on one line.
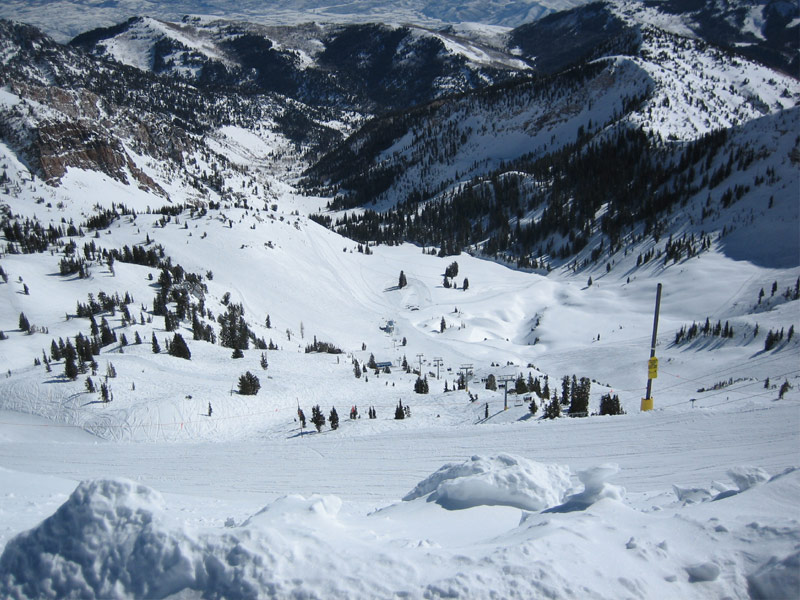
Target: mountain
{"points": [[214, 231], [66, 19], [369, 68], [530, 171]]}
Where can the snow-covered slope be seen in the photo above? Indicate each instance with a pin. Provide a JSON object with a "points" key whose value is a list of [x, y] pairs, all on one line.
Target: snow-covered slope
{"points": [[177, 214], [64, 20]]}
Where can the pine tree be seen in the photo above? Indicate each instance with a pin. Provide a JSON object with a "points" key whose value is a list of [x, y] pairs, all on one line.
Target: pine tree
{"points": [[249, 384], [356, 369], [24, 325], [179, 348], [333, 418], [610, 405], [442, 325], [553, 410], [90, 385], [421, 385], [154, 344], [399, 412], [264, 362], [70, 368], [317, 418], [580, 398]]}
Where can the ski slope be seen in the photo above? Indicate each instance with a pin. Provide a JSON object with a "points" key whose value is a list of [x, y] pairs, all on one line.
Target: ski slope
{"points": [[693, 499]]}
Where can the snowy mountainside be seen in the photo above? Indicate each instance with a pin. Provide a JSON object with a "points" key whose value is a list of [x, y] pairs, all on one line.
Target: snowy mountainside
{"points": [[169, 302], [366, 67], [66, 19], [765, 30]]}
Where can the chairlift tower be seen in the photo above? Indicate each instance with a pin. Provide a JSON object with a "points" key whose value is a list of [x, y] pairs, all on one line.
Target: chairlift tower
{"points": [[438, 362], [504, 381], [467, 371]]}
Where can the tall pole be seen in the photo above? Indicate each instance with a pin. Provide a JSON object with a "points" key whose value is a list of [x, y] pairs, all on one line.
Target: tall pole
{"points": [[652, 366]]}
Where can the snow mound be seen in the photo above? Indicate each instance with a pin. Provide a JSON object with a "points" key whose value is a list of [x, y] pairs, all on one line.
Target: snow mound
{"points": [[102, 540], [112, 539], [503, 480], [595, 487], [776, 578], [747, 477], [287, 507]]}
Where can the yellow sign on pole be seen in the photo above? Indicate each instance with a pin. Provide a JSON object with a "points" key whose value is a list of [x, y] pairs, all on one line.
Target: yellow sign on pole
{"points": [[652, 368]]}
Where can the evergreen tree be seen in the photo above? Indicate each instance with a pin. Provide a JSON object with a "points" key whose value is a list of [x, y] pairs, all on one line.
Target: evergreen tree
{"points": [[70, 355], [553, 410], [137, 339], [533, 407], [421, 385], [249, 384], [317, 418], [90, 385], [565, 389], [442, 325], [491, 382], [333, 418], [610, 405], [402, 282], [465, 287], [785, 387], [154, 344], [399, 412], [70, 368], [106, 335], [356, 369], [24, 325], [179, 348], [580, 397], [520, 387], [264, 361], [237, 353]]}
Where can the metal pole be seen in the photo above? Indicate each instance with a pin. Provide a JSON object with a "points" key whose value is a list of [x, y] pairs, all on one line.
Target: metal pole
{"points": [[647, 402]]}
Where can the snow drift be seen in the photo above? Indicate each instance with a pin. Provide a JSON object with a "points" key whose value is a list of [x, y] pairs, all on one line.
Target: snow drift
{"points": [[503, 480], [120, 539]]}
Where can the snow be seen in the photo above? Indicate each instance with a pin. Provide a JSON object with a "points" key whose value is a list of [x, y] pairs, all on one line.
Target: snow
{"points": [[64, 19], [500, 480], [689, 500], [149, 496]]}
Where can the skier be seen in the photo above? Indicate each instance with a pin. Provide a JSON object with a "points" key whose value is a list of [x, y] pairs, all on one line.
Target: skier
{"points": [[486, 411], [209, 409]]}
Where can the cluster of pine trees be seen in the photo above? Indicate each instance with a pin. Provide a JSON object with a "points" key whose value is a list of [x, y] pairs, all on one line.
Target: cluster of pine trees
{"points": [[324, 347], [686, 334], [775, 337]]}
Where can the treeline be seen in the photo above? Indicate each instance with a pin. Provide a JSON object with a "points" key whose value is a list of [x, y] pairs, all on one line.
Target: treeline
{"points": [[566, 188], [707, 329]]}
